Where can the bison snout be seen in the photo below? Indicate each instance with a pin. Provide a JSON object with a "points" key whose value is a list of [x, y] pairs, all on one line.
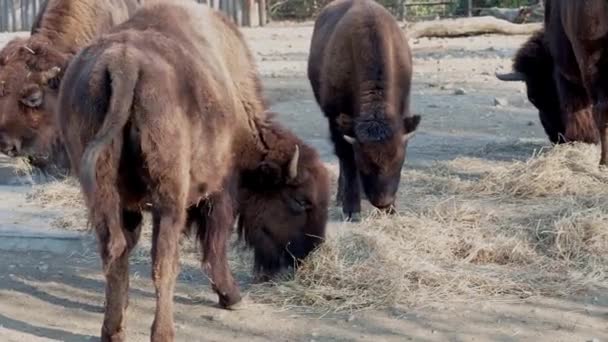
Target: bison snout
{"points": [[10, 146], [383, 202]]}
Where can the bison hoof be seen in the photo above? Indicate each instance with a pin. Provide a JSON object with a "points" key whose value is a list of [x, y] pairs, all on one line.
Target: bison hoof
{"points": [[115, 337], [351, 217]]}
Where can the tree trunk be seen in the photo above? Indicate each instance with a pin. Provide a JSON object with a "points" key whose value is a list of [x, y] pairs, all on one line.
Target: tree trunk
{"points": [[469, 27]]}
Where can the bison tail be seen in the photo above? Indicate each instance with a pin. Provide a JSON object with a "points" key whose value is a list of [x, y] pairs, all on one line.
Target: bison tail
{"points": [[123, 78]]}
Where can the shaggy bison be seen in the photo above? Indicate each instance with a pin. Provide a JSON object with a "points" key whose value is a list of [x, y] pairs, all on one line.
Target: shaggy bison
{"points": [[164, 110], [30, 71], [360, 70], [534, 65], [577, 33]]}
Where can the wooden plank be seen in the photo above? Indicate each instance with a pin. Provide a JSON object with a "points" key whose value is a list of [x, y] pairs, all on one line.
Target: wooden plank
{"points": [[238, 12], [262, 12], [13, 15]]}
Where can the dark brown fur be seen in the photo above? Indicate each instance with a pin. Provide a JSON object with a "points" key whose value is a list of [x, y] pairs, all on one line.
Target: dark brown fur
{"points": [[162, 111], [281, 217], [360, 70], [28, 124], [577, 37], [534, 65]]}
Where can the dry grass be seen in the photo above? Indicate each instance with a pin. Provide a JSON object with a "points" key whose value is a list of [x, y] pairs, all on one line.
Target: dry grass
{"points": [[469, 229], [61, 194]]}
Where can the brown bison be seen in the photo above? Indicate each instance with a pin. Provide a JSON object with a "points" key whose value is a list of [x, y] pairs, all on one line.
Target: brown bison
{"points": [[534, 65], [360, 70], [31, 68], [162, 110], [577, 33]]}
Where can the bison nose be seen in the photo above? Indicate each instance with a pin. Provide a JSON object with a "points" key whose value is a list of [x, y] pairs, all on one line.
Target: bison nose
{"points": [[384, 203], [9, 146]]}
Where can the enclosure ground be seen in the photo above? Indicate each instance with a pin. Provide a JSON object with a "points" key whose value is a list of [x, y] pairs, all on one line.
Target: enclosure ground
{"points": [[472, 126]]}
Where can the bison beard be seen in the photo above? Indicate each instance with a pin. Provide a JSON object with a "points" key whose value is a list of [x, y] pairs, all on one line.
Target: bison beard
{"points": [[360, 70], [153, 112]]}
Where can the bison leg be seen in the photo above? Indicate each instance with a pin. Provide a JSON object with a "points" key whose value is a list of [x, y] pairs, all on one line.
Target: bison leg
{"points": [[340, 193], [577, 120], [216, 223], [117, 282], [351, 191], [167, 227]]}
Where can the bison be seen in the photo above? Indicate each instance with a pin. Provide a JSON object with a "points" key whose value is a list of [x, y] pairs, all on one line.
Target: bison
{"points": [[534, 65], [31, 69], [164, 113], [360, 70], [576, 34]]}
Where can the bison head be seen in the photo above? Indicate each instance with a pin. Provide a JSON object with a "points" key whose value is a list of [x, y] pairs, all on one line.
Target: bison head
{"points": [[380, 150], [534, 65], [283, 207], [29, 82]]}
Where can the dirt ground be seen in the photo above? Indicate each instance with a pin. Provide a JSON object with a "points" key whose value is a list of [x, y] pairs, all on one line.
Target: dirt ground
{"points": [[55, 290]]}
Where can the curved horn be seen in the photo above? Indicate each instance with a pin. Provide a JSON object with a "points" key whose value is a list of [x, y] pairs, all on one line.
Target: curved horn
{"points": [[408, 136], [293, 164], [511, 76], [28, 49], [349, 139], [50, 74]]}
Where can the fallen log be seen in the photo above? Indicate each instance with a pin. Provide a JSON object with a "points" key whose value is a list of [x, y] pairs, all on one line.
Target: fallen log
{"points": [[469, 27]]}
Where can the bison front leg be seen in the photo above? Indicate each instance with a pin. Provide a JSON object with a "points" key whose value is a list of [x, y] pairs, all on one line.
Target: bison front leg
{"points": [[167, 227], [117, 281], [349, 182], [217, 218], [600, 112]]}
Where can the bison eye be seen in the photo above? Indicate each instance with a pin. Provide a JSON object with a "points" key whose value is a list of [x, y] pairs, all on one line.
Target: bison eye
{"points": [[298, 205], [32, 98]]}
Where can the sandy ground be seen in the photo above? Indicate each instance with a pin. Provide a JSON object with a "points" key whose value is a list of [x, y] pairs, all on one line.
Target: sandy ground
{"points": [[54, 290]]}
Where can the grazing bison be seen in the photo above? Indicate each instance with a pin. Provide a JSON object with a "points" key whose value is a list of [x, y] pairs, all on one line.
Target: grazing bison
{"points": [[283, 212], [162, 110], [577, 34], [360, 70], [534, 65], [31, 68]]}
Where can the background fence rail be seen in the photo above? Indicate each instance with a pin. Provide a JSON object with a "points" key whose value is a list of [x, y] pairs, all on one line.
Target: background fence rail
{"points": [[19, 15]]}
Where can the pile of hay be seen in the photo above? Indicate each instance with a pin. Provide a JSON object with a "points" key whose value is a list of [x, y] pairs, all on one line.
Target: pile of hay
{"points": [[492, 236], [469, 229]]}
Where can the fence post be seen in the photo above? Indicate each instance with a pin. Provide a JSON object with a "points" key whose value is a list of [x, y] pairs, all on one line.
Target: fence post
{"points": [[262, 12], [13, 15], [469, 9], [248, 6]]}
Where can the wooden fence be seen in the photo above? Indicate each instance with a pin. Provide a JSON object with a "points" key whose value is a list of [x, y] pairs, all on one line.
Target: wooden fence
{"points": [[19, 15]]}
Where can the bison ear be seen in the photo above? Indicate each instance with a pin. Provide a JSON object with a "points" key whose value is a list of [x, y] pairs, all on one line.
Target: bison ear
{"points": [[410, 123], [32, 97]]}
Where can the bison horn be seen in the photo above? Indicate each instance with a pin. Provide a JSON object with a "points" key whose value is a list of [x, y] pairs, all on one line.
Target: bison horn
{"points": [[406, 137], [50, 74], [511, 76], [349, 139], [28, 49], [293, 164]]}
